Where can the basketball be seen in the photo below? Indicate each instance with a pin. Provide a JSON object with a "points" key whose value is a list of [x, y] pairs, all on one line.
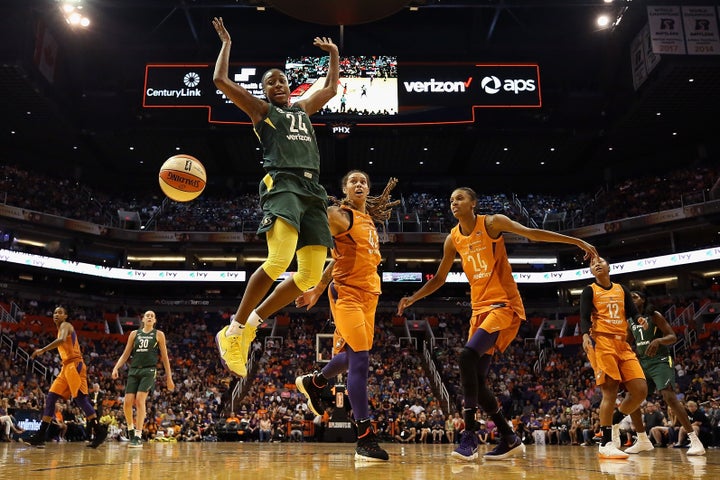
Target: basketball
{"points": [[182, 177]]}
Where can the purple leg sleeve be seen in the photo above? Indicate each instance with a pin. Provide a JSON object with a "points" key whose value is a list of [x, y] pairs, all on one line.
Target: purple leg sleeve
{"points": [[359, 363], [83, 401], [337, 365], [50, 401]]}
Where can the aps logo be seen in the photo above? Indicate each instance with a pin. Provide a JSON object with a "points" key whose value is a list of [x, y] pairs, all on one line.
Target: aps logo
{"points": [[492, 85]]}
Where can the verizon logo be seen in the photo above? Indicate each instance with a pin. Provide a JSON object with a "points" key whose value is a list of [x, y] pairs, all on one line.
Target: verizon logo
{"points": [[435, 86]]}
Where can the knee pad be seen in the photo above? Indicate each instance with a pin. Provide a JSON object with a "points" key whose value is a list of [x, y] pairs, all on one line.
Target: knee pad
{"points": [[310, 260], [281, 240]]}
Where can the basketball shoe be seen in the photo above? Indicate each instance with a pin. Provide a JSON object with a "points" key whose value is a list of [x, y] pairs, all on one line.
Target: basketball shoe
{"points": [[468, 446], [505, 450], [101, 433], [135, 442], [367, 449], [35, 441], [696, 446], [306, 386], [610, 451], [640, 445], [234, 348]]}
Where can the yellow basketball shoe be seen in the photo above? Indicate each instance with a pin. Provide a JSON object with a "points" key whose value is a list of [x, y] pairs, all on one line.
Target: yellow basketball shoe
{"points": [[232, 354]]}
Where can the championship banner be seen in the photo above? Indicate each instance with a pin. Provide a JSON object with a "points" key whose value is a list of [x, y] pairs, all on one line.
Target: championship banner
{"points": [[701, 30], [666, 30]]}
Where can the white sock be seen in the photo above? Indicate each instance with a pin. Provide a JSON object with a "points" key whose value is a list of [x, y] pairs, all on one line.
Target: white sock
{"points": [[254, 319], [642, 437], [130, 429], [138, 434], [234, 328]]}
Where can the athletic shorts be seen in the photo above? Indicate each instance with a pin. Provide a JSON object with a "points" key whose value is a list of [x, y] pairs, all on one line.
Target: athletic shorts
{"points": [[503, 320], [140, 379], [302, 202], [615, 359], [353, 310], [71, 380], [659, 372]]}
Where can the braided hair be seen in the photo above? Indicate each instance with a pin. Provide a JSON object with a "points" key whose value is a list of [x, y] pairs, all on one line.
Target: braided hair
{"points": [[379, 208]]}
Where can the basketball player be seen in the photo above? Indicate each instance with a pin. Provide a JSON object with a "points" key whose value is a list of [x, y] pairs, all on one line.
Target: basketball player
{"points": [[71, 382], [293, 201], [144, 346], [497, 309], [606, 310], [354, 291], [652, 335]]}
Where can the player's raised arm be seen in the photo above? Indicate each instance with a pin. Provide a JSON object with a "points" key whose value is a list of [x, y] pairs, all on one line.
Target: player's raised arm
{"points": [[317, 100], [255, 108]]}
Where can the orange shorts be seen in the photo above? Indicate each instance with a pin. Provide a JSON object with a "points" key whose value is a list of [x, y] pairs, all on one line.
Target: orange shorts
{"points": [[614, 358], [71, 380], [354, 313], [503, 320]]}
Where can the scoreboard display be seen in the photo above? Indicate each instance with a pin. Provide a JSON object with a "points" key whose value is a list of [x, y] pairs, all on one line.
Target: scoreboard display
{"points": [[372, 90]]}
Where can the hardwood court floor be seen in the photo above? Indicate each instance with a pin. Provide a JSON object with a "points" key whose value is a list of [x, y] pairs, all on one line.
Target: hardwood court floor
{"points": [[310, 461]]}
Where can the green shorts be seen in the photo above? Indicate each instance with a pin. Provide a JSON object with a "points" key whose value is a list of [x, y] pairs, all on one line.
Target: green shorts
{"points": [[300, 201], [659, 373], [140, 380]]}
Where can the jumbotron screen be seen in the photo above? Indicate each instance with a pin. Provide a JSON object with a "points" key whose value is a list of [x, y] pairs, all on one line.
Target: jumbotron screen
{"points": [[372, 90]]}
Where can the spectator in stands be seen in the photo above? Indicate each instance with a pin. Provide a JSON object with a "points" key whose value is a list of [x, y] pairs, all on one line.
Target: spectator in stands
{"points": [[70, 382], [354, 289], [144, 346], [293, 200], [265, 428], [498, 310], [297, 425]]}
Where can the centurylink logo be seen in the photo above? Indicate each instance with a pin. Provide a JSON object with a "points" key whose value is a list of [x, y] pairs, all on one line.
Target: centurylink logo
{"points": [[191, 79]]}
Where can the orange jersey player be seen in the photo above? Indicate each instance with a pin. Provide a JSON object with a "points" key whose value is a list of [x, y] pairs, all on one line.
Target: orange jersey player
{"points": [[354, 288], [497, 309], [605, 309], [71, 382]]}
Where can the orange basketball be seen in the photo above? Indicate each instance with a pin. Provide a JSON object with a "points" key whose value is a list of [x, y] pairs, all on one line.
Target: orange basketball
{"points": [[182, 177]]}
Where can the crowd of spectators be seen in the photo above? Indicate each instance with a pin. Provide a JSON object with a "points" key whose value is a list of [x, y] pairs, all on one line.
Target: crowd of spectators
{"points": [[231, 210], [550, 401]]}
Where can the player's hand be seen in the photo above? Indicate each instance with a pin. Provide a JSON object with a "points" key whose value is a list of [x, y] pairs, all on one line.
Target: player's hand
{"points": [[220, 29], [652, 348], [36, 353], [307, 299], [114, 374], [403, 304], [325, 43], [590, 251], [170, 384]]}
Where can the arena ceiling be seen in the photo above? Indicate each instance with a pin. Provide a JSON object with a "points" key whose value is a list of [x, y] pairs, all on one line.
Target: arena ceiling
{"points": [[593, 124]]}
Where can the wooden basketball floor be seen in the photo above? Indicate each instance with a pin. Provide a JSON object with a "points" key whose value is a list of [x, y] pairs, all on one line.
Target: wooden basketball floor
{"points": [[309, 461]]}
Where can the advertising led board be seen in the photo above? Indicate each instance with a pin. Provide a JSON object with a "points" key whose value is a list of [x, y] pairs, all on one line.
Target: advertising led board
{"points": [[373, 90]]}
